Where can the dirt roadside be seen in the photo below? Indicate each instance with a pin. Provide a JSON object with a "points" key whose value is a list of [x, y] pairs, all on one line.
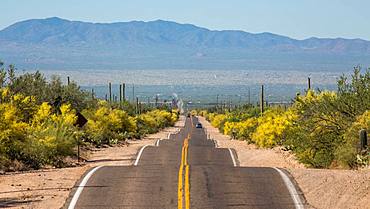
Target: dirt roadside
{"points": [[323, 188], [49, 188]]}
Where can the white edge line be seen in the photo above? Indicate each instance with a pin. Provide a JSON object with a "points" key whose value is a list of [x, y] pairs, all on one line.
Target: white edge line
{"points": [[139, 155], [292, 190], [232, 157], [83, 183], [157, 142]]}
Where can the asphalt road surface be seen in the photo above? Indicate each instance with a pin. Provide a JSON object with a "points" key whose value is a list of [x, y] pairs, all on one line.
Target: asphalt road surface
{"points": [[185, 171]]}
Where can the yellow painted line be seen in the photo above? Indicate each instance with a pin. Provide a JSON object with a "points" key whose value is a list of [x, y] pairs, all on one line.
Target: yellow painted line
{"points": [[180, 183], [182, 156], [180, 188], [186, 155], [187, 187]]}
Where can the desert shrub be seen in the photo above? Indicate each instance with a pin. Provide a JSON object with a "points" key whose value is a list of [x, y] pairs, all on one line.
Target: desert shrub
{"points": [[218, 121], [37, 120], [106, 125], [54, 133], [210, 116], [175, 114], [321, 127], [155, 120], [241, 130], [194, 112], [348, 154], [35, 85], [146, 124], [13, 131], [34, 139], [272, 126], [325, 131], [318, 129]]}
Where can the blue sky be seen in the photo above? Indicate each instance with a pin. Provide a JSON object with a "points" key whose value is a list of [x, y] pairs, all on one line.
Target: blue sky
{"points": [[295, 18]]}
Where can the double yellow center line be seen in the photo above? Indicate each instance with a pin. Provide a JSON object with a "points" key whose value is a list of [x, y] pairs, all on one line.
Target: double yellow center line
{"points": [[184, 190]]}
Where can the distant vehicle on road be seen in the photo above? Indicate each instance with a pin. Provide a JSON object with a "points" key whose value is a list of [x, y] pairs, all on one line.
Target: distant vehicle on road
{"points": [[198, 125]]}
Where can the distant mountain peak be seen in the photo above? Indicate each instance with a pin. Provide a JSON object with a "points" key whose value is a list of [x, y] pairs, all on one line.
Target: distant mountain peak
{"points": [[56, 19]]}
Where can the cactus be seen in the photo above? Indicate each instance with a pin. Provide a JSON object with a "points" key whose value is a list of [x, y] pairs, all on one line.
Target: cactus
{"points": [[363, 139]]}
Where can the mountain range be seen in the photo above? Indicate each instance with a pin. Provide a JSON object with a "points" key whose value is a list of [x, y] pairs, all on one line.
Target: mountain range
{"points": [[56, 43]]}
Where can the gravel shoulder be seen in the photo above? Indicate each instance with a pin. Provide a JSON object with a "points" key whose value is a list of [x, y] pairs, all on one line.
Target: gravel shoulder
{"points": [[322, 188], [49, 188]]}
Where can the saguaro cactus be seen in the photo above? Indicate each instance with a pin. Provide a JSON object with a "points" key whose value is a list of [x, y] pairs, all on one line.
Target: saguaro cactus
{"points": [[262, 102], [123, 92], [363, 139], [110, 92]]}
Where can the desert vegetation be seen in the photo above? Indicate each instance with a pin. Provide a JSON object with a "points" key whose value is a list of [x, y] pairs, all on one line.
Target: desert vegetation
{"points": [[38, 120], [320, 127]]}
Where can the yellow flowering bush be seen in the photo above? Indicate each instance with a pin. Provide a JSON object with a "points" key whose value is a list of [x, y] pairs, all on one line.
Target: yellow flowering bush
{"points": [[210, 116], [38, 120], [241, 130], [13, 130], [321, 128], [53, 135], [271, 127], [106, 125], [155, 120], [175, 114], [39, 138], [218, 121]]}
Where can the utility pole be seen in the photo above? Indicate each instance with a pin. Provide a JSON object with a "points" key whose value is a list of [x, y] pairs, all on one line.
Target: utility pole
{"points": [[309, 83], [68, 81], [133, 93], [92, 93], [262, 102], [249, 95]]}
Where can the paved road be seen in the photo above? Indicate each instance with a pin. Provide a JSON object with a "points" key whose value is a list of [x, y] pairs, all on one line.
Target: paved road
{"points": [[185, 171]]}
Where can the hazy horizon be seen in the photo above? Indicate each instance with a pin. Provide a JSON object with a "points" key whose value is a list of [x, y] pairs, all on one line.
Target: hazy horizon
{"points": [[254, 17]]}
